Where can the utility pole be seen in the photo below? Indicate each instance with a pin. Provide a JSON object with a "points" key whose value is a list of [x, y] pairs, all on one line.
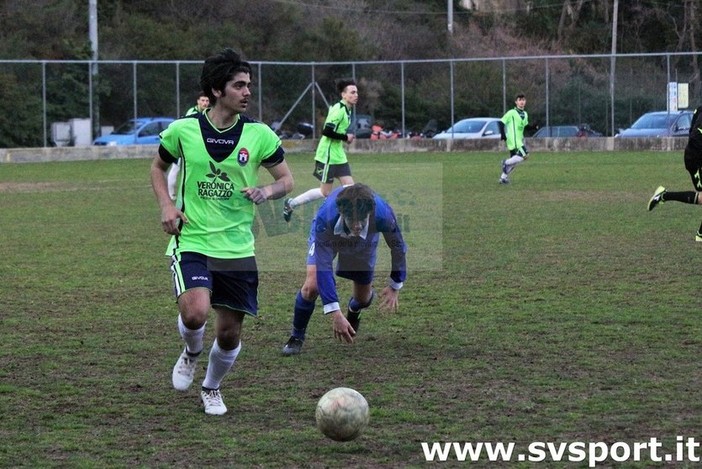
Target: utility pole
{"points": [[93, 36], [613, 62]]}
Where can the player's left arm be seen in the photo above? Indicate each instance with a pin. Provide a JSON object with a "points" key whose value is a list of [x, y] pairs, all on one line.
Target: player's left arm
{"points": [[332, 126], [387, 223], [282, 184]]}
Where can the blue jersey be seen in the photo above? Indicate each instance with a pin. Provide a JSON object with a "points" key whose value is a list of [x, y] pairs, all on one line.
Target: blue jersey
{"points": [[328, 241]]}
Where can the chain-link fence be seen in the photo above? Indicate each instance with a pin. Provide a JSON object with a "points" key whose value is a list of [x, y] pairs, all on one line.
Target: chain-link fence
{"points": [[604, 91]]}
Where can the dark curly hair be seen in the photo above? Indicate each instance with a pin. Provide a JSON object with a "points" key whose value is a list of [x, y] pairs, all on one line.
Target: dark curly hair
{"points": [[342, 83], [219, 69], [355, 202]]}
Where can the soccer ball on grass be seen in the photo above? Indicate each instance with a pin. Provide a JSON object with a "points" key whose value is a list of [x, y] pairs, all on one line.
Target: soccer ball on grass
{"points": [[342, 414]]}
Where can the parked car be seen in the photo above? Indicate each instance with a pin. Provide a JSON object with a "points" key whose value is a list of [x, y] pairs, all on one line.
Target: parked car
{"points": [[660, 124], [566, 131], [475, 127], [140, 131]]}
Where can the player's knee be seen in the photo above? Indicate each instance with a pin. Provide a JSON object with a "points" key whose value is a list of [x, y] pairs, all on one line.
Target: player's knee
{"points": [[228, 340], [228, 332], [193, 310], [357, 305], [309, 291]]}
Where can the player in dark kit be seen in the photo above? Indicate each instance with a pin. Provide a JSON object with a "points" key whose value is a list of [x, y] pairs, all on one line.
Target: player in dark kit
{"points": [[693, 164]]}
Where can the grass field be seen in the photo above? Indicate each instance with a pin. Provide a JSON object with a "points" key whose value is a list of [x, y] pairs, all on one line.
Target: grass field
{"points": [[553, 309]]}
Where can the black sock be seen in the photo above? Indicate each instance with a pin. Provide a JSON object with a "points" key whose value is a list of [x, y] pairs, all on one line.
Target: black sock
{"points": [[353, 315], [689, 197]]}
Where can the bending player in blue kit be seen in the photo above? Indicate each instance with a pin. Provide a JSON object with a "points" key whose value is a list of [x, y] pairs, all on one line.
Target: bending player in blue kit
{"points": [[348, 226]]}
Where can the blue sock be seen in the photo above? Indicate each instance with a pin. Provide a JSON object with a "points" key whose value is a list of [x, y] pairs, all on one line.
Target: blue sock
{"points": [[354, 305], [303, 313]]}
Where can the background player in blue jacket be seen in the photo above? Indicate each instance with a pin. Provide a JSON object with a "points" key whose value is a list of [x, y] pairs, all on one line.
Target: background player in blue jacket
{"points": [[347, 227]]}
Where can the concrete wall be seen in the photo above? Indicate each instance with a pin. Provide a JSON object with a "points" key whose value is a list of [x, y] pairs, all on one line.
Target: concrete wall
{"points": [[34, 155]]}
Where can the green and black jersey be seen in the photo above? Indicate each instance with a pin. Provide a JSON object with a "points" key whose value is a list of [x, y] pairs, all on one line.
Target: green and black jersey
{"points": [[331, 150], [515, 120], [216, 165], [191, 111]]}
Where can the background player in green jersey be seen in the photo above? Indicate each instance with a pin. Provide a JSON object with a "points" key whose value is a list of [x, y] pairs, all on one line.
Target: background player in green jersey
{"points": [[512, 127], [212, 247], [330, 158], [203, 102]]}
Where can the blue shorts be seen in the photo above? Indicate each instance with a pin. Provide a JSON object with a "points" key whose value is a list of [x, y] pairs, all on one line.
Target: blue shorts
{"points": [[233, 283], [358, 269]]}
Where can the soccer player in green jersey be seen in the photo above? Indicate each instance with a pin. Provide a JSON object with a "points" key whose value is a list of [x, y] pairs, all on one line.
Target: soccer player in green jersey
{"points": [[212, 247], [512, 127], [330, 158], [203, 102]]}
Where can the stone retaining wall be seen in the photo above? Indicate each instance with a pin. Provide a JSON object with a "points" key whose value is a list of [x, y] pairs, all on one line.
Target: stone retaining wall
{"points": [[34, 155]]}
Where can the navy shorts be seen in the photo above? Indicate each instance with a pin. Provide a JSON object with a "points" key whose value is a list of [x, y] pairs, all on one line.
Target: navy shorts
{"points": [[333, 171], [233, 283], [358, 269]]}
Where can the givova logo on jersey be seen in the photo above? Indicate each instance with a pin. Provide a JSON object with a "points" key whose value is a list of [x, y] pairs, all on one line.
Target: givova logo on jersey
{"points": [[218, 186]]}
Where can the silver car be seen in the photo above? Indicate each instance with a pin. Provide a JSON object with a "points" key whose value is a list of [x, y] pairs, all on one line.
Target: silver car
{"points": [[660, 124], [475, 127]]}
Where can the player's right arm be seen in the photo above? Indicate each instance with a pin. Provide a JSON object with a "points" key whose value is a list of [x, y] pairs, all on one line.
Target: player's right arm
{"points": [[343, 331], [326, 285], [170, 215]]}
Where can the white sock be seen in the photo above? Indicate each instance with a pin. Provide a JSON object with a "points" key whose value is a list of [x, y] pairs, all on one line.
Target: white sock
{"points": [[307, 197], [193, 337], [514, 161], [221, 361]]}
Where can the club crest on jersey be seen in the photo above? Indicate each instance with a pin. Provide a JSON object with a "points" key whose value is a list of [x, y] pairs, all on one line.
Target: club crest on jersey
{"points": [[243, 157]]}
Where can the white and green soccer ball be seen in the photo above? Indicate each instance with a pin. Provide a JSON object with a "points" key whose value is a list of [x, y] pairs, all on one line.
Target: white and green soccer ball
{"points": [[342, 414]]}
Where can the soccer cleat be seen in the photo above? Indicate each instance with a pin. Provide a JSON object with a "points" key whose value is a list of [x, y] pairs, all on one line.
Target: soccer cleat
{"points": [[698, 237], [184, 371], [657, 198], [212, 399], [354, 319], [287, 210], [293, 347], [504, 181]]}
